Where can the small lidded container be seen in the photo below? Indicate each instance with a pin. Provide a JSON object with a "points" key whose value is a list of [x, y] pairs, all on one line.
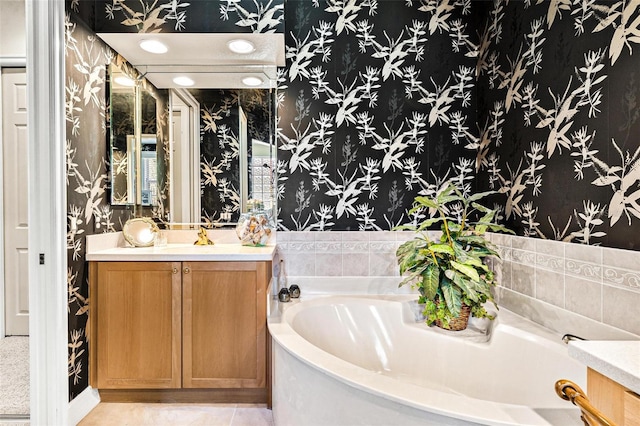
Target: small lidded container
{"points": [[254, 228]]}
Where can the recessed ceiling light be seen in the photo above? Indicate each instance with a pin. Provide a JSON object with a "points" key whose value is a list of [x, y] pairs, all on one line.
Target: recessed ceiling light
{"points": [[153, 46], [183, 81], [123, 80], [241, 46], [252, 81]]}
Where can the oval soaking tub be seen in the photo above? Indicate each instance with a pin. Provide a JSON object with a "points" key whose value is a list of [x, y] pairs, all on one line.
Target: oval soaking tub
{"points": [[363, 360]]}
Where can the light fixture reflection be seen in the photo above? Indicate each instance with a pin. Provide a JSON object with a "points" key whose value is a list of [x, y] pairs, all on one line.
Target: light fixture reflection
{"points": [[123, 80], [183, 80], [153, 46], [252, 81], [241, 46]]}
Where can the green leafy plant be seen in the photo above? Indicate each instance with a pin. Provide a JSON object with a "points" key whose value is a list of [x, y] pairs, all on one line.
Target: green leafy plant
{"points": [[449, 271]]}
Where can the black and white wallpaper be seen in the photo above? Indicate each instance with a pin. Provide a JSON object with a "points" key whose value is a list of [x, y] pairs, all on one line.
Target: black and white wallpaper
{"points": [[536, 99], [87, 160], [377, 104], [88, 210], [558, 114], [199, 16]]}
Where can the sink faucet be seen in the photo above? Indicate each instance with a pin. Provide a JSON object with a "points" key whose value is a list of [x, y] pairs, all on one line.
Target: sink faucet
{"points": [[203, 239]]}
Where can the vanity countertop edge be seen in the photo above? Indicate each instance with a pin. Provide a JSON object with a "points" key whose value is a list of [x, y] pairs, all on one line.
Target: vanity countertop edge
{"points": [[617, 359], [110, 248]]}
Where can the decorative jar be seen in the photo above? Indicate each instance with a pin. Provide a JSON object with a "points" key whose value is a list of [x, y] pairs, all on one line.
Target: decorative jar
{"points": [[254, 228]]}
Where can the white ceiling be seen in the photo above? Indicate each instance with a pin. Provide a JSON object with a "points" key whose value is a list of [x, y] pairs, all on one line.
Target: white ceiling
{"points": [[204, 57]]}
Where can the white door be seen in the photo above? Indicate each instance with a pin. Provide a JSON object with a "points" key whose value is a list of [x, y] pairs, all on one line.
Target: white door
{"points": [[15, 200]]}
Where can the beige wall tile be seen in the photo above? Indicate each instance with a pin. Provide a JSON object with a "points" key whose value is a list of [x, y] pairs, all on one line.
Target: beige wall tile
{"points": [[550, 287], [328, 264], [620, 308], [583, 297], [523, 279], [355, 265]]}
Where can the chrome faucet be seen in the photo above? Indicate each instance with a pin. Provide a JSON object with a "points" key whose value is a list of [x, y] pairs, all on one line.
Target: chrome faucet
{"points": [[569, 337]]}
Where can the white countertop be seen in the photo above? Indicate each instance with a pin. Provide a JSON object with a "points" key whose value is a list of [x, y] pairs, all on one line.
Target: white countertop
{"points": [[184, 252], [618, 360], [111, 247]]}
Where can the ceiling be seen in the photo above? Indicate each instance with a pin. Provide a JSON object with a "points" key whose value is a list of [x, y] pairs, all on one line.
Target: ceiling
{"points": [[203, 57]]}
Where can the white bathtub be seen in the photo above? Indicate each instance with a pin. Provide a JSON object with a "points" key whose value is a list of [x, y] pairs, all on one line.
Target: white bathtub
{"points": [[363, 360]]}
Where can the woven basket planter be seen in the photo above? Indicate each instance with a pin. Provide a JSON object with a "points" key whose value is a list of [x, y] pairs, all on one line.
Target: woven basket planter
{"points": [[459, 323]]}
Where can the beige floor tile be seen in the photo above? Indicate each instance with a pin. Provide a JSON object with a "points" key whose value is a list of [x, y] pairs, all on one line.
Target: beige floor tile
{"points": [[252, 417], [106, 414]]}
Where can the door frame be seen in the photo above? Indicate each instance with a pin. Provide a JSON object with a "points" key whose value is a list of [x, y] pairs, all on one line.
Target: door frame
{"points": [[191, 150], [48, 322]]}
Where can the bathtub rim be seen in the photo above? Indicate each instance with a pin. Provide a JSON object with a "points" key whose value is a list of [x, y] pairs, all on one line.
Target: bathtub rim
{"points": [[438, 402]]}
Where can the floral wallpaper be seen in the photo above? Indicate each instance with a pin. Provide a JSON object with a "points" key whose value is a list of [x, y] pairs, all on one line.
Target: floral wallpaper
{"points": [[558, 114], [377, 104], [211, 16], [88, 211], [87, 162]]}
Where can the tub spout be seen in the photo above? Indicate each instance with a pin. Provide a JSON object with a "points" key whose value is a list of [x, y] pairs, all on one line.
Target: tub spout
{"points": [[569, 337]]}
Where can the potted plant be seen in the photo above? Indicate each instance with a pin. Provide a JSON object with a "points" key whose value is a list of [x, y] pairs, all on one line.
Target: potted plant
{"points": [[449, 270]]}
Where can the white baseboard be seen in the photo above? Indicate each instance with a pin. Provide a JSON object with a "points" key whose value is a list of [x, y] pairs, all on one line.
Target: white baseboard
{"points": [[82, 404]]}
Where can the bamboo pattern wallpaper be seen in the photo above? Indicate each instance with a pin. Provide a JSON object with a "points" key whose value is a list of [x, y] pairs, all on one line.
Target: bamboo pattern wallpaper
{"points": [[376, 105], [211, 16], [88, 208], [558, 114]]}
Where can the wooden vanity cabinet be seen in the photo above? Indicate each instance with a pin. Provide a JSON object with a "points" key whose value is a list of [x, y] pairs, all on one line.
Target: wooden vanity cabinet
{"points": [[224, 324], [171, 325], [621, 405], [135, 319]]}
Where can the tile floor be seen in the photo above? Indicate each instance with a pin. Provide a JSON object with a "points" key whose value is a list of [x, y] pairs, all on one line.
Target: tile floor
{"points": [[137, 414]]}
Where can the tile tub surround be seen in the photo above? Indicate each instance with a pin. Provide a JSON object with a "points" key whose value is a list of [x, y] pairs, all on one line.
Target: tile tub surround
{"points": [[568, 287], [341, 253], [594, 290]]}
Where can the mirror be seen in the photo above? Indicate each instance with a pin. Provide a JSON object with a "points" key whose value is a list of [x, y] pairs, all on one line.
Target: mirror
{"points": [[136, 150], [218, 163], [233, 155], [122, 98]]}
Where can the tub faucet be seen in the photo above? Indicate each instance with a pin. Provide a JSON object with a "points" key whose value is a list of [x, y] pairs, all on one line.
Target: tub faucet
{"points": [[569, 337]]}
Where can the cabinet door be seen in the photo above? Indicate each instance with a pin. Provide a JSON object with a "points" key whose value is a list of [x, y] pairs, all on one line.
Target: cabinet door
{"points": [[224, 324], [138, 325]]}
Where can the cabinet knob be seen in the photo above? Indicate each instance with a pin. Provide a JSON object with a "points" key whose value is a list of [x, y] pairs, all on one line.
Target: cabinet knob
{"points": [[187, 270], [175, 270]]}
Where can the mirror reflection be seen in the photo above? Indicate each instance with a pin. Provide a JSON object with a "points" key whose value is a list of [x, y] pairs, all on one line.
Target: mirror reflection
{"points": [[136, 148], [223, 158], [122, 98], [234, 153]]}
